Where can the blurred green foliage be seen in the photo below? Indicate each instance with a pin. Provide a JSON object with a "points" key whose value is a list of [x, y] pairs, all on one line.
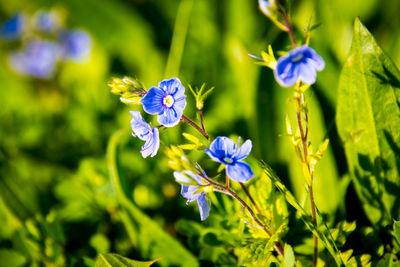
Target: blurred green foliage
{"points": [[59, 204]]}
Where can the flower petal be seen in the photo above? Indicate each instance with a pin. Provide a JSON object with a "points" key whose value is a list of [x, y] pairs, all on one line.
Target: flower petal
{"points": [[180, 104], [244, 150], [152, 144], [239, 172], [317, 61], [286, 73], [153, 101], [173, 87], [223, 147], [204, 208], [183, 177], [140, 128], [170, 117], [187, 191], [213, 156], [308, 74]]}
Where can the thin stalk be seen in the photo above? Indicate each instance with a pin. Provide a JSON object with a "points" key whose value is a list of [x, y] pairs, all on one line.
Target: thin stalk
{"points": [[194, 125], [289, 29], [251, 198], [201, 120], [310, 186], [225, 190]]}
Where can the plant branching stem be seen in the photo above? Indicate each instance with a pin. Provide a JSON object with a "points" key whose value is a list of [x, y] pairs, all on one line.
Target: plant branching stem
{"points": [[225, 190], [194, 125], [201, 120]]}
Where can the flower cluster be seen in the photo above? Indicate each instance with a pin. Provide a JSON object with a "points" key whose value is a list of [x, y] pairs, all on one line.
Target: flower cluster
{"points": [[44, 43], [168, 101]]}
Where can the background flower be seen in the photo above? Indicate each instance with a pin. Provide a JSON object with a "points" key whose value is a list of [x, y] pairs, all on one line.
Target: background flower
{"points": [[167, 100], [225, 151], [13, 27]]}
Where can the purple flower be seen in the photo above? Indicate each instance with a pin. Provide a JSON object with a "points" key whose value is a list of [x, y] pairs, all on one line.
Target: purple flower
{"points": [[167, 100], [301, 63], [143, 131], [76, 45], [189, 191], [37, 60], [13, 27], [225, 151]]}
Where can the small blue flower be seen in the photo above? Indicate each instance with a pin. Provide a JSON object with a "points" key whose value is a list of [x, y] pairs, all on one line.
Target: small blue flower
{"points": [[143, 131], [37, 60], [47, 21], [301, 63], [188, 191], [13, 27], [76, 45], [167, 100], [265, 6], [225, 151]]}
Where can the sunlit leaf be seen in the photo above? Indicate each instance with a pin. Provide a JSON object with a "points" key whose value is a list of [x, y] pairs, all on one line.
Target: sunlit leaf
{"points": [[115, 260]]}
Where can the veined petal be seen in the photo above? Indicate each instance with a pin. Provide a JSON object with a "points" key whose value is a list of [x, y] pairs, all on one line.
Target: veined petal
{"points": [[170, 117], [140, 128], [204, 208], [172, 86], [223, 147], [180, 104], [317, 61], [239, 172], [244, 150], [286, 73], [308, 74], [153, 101], [187, 191], [213, 156], [152, 144]]}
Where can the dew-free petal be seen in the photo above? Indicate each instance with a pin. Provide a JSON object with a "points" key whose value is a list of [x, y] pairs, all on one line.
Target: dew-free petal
{"points": [[152, 144], [152, 101], [170, 117], [140, 128], [204, 208], [244, 150], [239, 172]]}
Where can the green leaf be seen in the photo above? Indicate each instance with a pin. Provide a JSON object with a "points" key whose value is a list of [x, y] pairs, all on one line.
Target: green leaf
{"points": [[368, 121], [396, 231], [11, 258], [115, 260], [289, 256], [322, 232], [153, 239]]}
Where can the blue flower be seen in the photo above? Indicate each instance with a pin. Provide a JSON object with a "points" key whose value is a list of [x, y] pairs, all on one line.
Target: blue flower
{"points": [[225, 151], [167, 100], [143, 131], [37, 60], [301, 63], [13, 27], [47, 21], [189, 191], [76, 45], [265, 6]]}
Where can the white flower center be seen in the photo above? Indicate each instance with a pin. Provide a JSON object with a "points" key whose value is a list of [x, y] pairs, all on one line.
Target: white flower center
{"points": [[228, 160], [168, 101]]}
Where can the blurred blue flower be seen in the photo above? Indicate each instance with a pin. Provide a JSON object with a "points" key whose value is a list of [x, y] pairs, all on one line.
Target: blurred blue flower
{"points": [[12, 28], [37, 60], [76, 45], [225, 151], [189, 191], [143, 131], [47, 21], [301, 63], [265, 6], [167, 100]]}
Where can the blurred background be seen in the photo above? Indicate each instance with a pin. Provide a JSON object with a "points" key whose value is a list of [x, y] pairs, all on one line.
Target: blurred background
{"points": [[57, 204]]}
